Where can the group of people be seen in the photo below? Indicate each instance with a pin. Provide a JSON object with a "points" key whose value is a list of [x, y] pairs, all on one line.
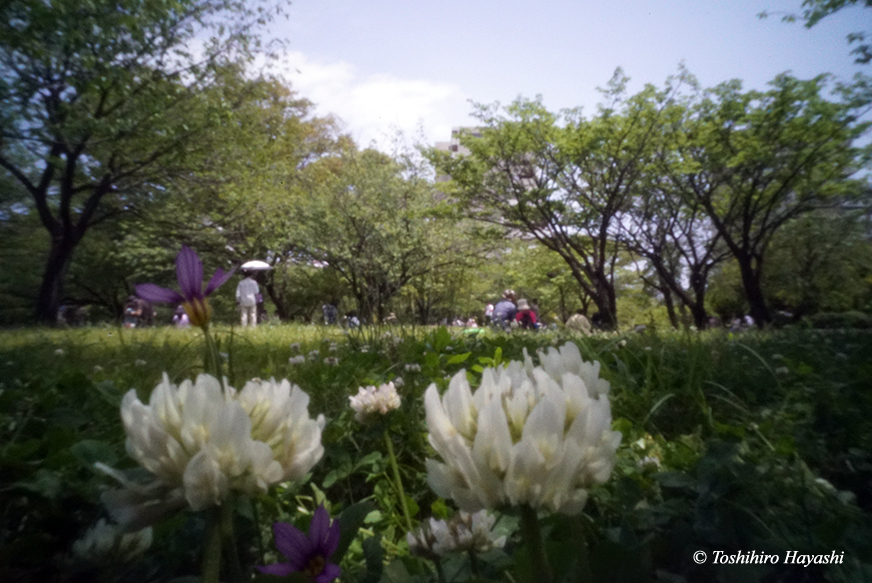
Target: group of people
{"points": [[507, 313]]}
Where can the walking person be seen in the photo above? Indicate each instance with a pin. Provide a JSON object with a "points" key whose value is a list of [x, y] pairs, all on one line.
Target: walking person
{"points": [[246, 296]]}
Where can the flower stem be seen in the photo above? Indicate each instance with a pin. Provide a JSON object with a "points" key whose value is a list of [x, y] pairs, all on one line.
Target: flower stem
{"points": [[212, 550], [399, 481], [229, 540], [532, 535], [440, 572], [212, 361]]}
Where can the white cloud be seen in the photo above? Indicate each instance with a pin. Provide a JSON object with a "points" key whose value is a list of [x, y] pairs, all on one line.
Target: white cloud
{"points": [[374, 107]]}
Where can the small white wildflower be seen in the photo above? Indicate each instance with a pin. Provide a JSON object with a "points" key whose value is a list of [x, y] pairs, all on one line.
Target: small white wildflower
{"points": [[295, 346], [299, 359], [413, 368], [399, 382], [622, 343], [60, 352], [331, 361], [314, 355], [106, 543], [139, 362], [463, 533], [364, 348], [370, 402], [782, 370], [647, 349], [333, 347]]}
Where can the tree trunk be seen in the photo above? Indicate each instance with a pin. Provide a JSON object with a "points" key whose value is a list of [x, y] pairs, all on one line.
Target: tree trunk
{"points": [[51, 290], [753, 291], [670, 306]]}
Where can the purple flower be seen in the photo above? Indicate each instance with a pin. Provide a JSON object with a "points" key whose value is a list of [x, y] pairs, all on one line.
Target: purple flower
{"points": [[189, 271], [307, 554]]}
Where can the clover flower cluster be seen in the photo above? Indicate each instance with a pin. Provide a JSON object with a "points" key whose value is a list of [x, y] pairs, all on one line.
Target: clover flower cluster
{"points": [[530, 435], [201, 441], [369, 403], [463, 533]]}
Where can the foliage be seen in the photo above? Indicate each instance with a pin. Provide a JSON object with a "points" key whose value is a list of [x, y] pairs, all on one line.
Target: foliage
{"points": [[102, 104], [816, 10], [752, 441]]}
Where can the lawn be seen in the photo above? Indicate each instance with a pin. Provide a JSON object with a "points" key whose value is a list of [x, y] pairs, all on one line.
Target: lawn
{"points": [[753, 442]]}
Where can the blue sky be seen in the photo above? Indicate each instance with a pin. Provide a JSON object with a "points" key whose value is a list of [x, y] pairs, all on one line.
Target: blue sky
{"points": [[388, 65]]}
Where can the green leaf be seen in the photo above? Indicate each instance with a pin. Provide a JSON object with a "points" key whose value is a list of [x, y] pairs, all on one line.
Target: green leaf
{"points": [[373, 554], [350, 522], [458, 358], [91, 451]]}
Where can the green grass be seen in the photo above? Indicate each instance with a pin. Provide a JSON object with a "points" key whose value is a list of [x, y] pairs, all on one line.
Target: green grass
{"points": [[763, 438]]}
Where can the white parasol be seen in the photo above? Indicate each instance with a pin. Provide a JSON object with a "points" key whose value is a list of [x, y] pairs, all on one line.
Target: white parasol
{"points": [[255, 266]]}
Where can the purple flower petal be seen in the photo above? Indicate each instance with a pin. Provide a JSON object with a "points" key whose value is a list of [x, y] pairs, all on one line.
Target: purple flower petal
{"points": [[293, 544], [218, 280], [332, 542], [319, 528], [329, 573], [189, 271], [155, 293], [280, 569]]}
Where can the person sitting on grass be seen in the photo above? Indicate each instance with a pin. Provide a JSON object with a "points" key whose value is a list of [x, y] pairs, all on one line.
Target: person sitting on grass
{"points": [[525, 316]]}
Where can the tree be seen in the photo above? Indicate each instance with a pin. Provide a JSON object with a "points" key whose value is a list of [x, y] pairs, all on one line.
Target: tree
{"points": [[373, 220], [101, 104], [816, 10], [821, 261], [563, 180], [754, 160], [671, 232]]}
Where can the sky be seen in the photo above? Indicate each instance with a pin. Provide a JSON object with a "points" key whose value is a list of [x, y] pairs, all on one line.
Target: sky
{"points": [[385, 67]]}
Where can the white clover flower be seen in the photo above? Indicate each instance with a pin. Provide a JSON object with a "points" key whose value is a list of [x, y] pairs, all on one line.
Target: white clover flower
{"points": [[295, 346], [538, 436], [201, 442], [313, 355], [105, 543], [463, 533], [371, 402], [299, 359], [331, 361]]}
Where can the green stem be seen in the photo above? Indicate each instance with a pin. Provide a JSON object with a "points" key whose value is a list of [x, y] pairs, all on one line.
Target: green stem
{"points": [[212, 361], [473, 564], [532, 536], [230, 541], [440, 573], [212, 550], [398, 480]]}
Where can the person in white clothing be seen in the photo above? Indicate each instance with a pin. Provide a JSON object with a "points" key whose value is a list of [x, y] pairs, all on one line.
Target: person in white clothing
{"points": [[246, 297]]}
